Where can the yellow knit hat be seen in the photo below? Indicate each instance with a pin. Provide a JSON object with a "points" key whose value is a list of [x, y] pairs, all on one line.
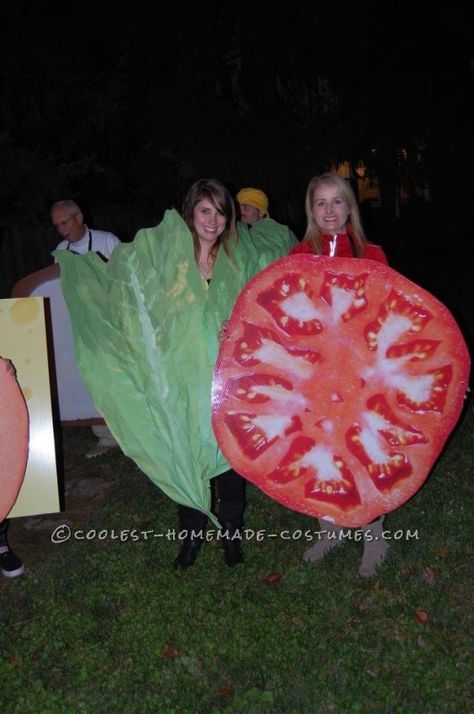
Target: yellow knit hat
{"points": [[253, 197]]}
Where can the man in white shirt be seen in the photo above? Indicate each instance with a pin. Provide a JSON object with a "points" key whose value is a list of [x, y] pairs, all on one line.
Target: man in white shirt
{"points": [[67, 218]]}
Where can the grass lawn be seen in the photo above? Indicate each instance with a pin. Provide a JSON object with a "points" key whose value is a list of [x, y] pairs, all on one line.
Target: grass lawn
{"points": [[106, 625]]}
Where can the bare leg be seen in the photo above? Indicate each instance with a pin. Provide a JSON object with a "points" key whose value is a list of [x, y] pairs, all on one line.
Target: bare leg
{"points": [[375, 548], [330, 537]]}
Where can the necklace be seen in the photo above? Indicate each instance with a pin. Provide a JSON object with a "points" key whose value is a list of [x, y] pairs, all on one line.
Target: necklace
{"points": [[206, 267]]}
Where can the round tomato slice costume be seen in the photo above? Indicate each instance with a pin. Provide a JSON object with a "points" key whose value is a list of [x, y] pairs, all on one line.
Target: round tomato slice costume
{"points": [[337, 386], [13, 439]]}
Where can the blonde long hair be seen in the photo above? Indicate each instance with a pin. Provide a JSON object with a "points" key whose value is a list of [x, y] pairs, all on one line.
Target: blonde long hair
{"points": [[313, 233]]}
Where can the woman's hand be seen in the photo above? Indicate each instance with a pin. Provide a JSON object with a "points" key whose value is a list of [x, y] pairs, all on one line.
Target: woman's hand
{"points": [[223, 332], [8, 366]]}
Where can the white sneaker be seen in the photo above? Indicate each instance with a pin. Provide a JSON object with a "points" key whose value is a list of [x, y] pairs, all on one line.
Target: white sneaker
{"points": [[98, 450]]}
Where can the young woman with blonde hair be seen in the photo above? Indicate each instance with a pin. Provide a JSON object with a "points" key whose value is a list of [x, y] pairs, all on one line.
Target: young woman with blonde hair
{"points": [[334, 225]]}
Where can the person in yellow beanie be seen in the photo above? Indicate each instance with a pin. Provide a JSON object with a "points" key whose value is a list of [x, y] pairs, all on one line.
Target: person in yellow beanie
{"points": [[253, 204]]}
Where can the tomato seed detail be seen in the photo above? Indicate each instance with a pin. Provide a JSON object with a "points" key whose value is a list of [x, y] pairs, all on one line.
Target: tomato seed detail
{"points": [[252, 440], [394, 431], [331, 479], [384, 475], [415, 351], [254, 433], [259, 345], [289, 468], [252, 340], [352, 285], [440, 380], [396, 305], [260, 388], [290, 302]]}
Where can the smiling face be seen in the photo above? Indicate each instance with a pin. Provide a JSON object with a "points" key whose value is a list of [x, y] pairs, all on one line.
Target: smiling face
{"points": [[209, 223], [330, 209], [69, 225]]}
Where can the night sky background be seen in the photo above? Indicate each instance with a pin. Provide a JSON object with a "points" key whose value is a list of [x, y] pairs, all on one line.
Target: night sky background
{"points": [[123, 107]]}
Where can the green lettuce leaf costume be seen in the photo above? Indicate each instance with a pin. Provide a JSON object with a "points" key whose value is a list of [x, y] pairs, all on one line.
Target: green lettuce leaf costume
{"points": [[146, 330]]}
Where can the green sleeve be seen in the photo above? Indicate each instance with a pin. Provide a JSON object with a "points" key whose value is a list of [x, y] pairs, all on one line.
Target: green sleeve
{"points": [[273, 240]]}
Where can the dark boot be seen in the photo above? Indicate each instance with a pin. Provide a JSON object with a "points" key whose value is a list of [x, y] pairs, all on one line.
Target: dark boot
{"points": [[10, 564], [231, 536], [188, 552], [231, 491], [192, 522]]}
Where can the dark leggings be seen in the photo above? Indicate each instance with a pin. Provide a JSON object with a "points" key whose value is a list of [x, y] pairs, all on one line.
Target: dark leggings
{"points": [[230, 489], [3, 531]]}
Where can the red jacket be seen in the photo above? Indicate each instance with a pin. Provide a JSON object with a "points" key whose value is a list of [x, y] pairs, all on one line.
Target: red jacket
{"points": [[343, 248]]}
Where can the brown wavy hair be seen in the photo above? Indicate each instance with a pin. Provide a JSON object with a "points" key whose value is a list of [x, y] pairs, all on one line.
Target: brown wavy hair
{"points": [[216, 193]]}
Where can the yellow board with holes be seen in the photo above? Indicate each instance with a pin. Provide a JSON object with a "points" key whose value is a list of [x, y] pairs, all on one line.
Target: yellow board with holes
{"points": [[23, 341]]}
